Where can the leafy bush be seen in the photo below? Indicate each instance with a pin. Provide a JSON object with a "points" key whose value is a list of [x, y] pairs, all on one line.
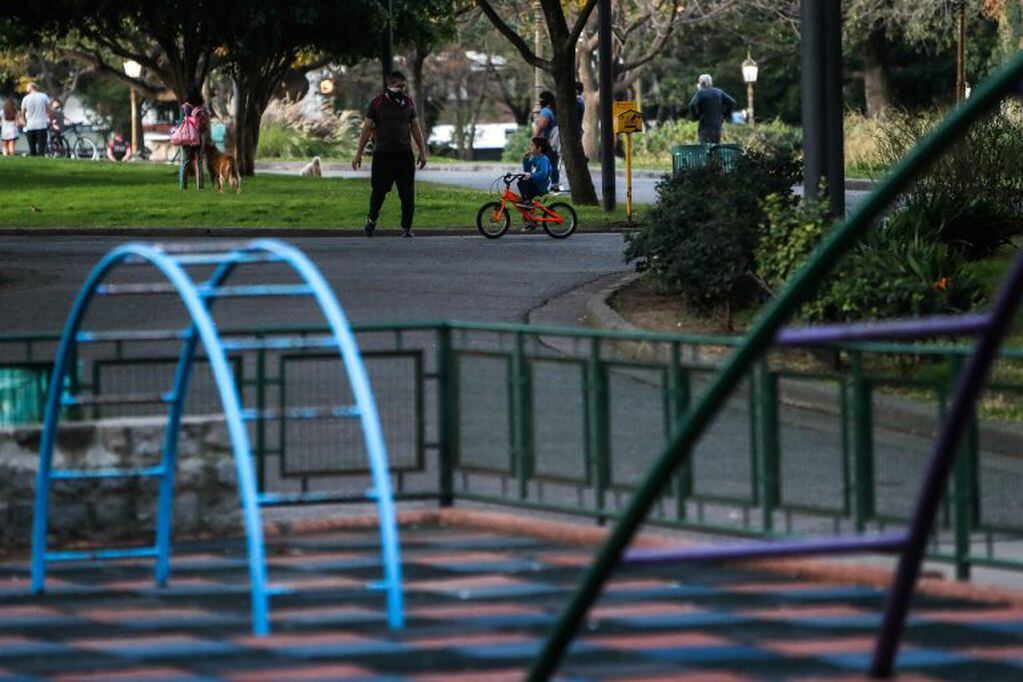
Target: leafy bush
{"points": [[897, 272], [517, 144], [791, 232], [973, 227], [701, 236], [291, 129], [980, 180]]}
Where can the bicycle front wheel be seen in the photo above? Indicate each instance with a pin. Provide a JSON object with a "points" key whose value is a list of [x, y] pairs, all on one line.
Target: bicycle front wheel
{"points": [[493, 220], [566, 226], [84, 149]]}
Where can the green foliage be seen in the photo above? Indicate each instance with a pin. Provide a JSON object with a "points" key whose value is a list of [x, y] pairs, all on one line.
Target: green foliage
{"points": [[109, 98], [791, 232], [898, 272], [700, 238], [291, 130], [654, 145], [975, 191], [517, 144]]}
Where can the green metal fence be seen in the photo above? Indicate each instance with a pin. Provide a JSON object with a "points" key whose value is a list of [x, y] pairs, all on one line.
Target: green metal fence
{"points": [[567, 420]]}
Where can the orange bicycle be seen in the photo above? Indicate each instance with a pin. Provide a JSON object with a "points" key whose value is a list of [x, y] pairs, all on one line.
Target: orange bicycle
{"points": [[494, 217]]}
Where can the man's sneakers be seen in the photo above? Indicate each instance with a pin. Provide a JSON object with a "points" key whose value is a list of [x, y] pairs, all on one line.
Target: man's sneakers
{"points": [[371, 227], [555, 189]]}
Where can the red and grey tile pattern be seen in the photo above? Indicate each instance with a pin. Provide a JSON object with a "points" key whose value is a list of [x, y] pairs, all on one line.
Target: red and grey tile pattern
{"points": [[479, 606]]}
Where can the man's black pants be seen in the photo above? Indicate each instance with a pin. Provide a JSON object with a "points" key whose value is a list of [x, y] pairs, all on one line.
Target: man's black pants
{"points": [[393, 168], [36, 142]]}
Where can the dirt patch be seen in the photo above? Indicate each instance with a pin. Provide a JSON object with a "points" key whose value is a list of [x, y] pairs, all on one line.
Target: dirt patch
{"points": [[645, 305]]}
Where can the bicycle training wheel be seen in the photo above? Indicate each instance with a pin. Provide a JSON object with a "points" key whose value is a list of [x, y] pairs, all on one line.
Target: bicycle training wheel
{"points": [[492, 221], [84, 149], [563, 229]]}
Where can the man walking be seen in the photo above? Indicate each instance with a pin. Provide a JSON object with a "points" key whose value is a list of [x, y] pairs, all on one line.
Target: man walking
{"points": [[391, 121], [711, 106], [35, 110]]}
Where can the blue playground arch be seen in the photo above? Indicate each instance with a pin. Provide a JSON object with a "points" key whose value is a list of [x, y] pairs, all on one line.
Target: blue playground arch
{"points": [[172, 261]]}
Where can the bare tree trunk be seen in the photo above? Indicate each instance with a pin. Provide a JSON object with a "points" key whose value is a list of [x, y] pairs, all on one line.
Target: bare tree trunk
{"points": [[877, 86]]}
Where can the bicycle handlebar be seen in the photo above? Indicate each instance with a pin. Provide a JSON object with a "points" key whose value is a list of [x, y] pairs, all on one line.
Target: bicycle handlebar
{"points": [[508, 177]]}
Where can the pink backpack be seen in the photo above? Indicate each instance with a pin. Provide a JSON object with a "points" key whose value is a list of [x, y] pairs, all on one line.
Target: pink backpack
{"points": [[187, 132]]}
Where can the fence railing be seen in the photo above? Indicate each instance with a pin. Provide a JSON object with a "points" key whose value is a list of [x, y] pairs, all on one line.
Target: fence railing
{"points": [[567, 420]]}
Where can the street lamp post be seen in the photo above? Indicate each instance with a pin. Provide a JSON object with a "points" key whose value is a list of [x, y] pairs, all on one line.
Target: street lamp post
{"points": [[749, 75], [133, 70]]}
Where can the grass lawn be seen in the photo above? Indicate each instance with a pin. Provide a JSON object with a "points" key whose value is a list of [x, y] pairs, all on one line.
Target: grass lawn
{"points": [[64, 193]]}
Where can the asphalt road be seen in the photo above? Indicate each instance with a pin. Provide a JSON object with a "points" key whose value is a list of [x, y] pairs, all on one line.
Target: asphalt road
{"points": [[425, 278]]}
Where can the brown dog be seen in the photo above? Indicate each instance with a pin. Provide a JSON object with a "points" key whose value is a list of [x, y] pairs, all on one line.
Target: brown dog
{"points": [[222, 166]]}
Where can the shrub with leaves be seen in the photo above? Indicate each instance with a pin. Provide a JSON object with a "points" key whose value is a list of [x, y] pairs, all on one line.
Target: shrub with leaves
{"points": [[700, 238], [296, 129], [897, 271], [791, 232], [975, 190]]}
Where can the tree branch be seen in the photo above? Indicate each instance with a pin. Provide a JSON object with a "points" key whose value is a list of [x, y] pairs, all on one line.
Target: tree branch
{"points": [[580, 22], [514, 38]]}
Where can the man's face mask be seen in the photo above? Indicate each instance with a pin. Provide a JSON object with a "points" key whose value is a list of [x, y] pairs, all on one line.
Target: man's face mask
{"points": [[395, 92]]}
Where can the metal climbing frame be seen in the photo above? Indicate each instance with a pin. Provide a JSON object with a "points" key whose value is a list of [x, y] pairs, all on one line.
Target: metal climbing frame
{"points": [[989, 328], [172, 261]]}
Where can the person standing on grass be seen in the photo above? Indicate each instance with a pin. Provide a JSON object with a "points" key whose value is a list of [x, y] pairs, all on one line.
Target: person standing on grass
{"points": [[192, 155], [35, 111], [391, 122], [9, 126], [710, 106], [546, 126]]}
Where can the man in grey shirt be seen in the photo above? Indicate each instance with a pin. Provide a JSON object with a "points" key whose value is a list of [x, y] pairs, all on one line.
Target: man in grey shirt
{"points": [[710, 106], [35, 109]]}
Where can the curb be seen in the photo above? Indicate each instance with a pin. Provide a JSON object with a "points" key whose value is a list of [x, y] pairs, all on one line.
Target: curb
{"points": [[891, 413]]}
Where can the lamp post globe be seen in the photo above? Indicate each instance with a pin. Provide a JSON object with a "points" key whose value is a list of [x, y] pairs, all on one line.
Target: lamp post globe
{"points": [[749, 75]]}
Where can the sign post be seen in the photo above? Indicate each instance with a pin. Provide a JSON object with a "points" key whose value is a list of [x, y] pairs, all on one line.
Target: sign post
{"points": [[627, 120]]}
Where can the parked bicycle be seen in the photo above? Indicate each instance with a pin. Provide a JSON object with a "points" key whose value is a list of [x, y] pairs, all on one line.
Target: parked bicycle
{"points": [[81, 147], [558, 219]]}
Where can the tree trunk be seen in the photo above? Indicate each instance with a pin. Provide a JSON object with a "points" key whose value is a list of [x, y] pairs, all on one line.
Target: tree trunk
{"points": [[591, 114], [419, 54], [877, 86], [572, 153], [249, 103]]}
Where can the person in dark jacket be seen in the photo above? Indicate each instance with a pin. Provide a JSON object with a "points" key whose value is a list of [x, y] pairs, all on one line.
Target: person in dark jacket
{"points": [[710, 106], [391, 122]]}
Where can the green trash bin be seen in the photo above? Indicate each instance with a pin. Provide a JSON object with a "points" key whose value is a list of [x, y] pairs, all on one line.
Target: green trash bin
{"points": [[687, 157], [726, 154], [22, 396]]}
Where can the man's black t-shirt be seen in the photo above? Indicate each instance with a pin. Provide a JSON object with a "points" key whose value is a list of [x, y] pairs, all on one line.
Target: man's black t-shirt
{"points": [[392, 115]]}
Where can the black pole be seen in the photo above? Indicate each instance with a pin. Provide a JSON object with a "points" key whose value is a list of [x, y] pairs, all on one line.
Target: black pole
{"points": [[607, 137], [833, 107], [812, 80]]}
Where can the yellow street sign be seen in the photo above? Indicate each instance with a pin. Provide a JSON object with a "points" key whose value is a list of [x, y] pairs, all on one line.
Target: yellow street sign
{"points": [[627, 117]]}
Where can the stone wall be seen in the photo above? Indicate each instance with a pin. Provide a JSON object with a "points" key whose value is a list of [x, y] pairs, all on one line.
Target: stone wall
{"points": [[119, 510]]}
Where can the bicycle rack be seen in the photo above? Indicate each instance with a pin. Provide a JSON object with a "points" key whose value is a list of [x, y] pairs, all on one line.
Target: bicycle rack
{"points": [[172, 261]]}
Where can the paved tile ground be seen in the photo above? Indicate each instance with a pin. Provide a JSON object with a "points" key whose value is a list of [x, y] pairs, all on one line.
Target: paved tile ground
{"points": [[478, 607]]}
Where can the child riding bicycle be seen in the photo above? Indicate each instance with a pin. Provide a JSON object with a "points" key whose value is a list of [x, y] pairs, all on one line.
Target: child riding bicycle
{"points": [[537, 180]]}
